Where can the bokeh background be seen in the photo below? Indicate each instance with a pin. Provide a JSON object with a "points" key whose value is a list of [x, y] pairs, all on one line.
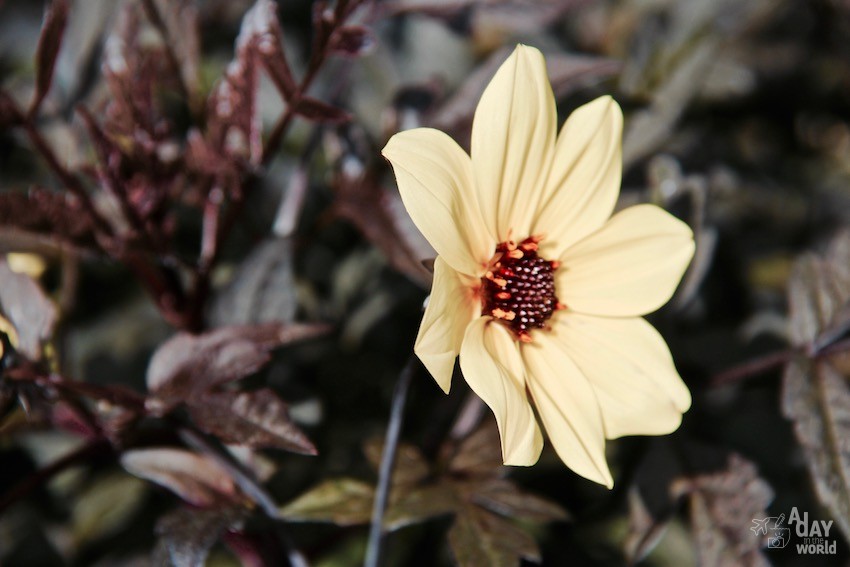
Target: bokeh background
{"points": [[737, 121]]}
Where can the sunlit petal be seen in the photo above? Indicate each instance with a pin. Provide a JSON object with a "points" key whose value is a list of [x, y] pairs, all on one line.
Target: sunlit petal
{"points": [[630, 367], [582, 187], [450, 310], [568, 407], [630, 267], [435, 181], [513, 137], [491, 364]]}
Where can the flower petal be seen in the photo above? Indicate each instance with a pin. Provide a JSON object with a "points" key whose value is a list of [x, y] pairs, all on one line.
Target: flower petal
{"points": [[567, 406], [630, 367], [513, 138], [491, 364], [583, 184], [630, 267], [450, 310], [436, 185]]}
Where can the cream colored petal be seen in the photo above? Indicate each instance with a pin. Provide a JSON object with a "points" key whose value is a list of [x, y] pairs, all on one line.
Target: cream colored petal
{"points": [[435, 181], [630, 367], [630, 267], [513, 138], [584, 182], [567, 406], [451, 308], [491, 364]]}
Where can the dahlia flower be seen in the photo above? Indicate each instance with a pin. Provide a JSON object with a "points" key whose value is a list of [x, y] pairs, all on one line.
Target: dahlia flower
{"points": [[537, 287]]}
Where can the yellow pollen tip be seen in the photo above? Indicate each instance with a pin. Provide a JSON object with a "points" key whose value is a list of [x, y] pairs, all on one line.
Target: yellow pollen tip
{"points": [[500, 282], [555, 264], [524, 338], [516, 254], [503, 295], [529, 246], [559, 306]]}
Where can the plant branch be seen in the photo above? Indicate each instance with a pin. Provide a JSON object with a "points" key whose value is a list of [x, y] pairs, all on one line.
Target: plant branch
{"points": [[248, 484], [77, 456], [376, 530]]}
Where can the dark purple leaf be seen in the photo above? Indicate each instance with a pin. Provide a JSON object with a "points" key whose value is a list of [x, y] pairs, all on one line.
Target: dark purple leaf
{"points": [[380, 215], [319, 111], [28, 309], [352, 40], [816, 397], [56, 216], [186, 535], [196, 479], [503, 497], [188, 365], [234, 123], [49, 42], [256, 419], [480, 454], [723, 506]]}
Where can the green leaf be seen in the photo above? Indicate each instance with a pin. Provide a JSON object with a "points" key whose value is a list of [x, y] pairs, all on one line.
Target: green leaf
{"points": [[344, 502], [481, 539], [419, 504], [410, 466]]}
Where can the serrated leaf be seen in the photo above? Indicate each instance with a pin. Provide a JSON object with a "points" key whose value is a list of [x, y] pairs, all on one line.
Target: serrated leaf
{"points": [[505, 498], [816, 398], [415, 505], [481, 539], [344, 502], [186, 536], [195, 478], [722, 507], [255, 419], [410, 466], [28, 309], [480, 454], [49, 42], [190, 364]]}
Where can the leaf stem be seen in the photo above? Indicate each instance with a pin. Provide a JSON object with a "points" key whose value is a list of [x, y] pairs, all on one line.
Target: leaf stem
{"points": [[81, 454], [249, 485], [376, 530]]}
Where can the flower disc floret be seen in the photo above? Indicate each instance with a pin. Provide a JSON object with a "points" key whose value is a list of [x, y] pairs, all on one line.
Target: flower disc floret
{"points": [[518, 288]]}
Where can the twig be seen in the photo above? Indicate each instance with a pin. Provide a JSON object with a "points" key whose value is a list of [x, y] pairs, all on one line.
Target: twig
{"points": [[33, 481], [249, 485], [774, 360], [752, 368], [376, 530]]}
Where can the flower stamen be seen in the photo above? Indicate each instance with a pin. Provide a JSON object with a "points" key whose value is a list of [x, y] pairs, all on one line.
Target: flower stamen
{"points": [[518, 288]]}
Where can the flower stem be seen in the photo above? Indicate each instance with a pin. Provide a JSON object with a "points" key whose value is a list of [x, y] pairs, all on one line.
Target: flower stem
{"points": [[376, 530]]}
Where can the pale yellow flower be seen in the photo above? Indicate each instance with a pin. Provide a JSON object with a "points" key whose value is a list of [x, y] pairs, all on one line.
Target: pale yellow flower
{"points": [[535, 287]]}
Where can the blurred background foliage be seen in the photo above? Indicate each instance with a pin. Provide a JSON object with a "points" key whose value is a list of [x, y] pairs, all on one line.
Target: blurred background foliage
{"points": [[179, 166]]}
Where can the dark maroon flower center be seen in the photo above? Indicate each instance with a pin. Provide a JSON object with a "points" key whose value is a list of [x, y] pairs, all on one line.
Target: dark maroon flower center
{"points": [[519, 287]]}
